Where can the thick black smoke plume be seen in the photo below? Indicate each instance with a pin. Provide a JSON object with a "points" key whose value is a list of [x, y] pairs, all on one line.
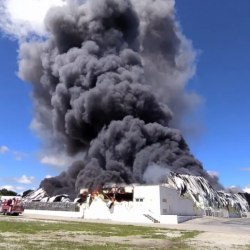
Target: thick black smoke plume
{"points": [[106, 84]]}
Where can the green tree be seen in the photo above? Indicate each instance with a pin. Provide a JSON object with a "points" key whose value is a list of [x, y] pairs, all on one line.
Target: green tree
{"points": [[7, 192], [25, 193]]}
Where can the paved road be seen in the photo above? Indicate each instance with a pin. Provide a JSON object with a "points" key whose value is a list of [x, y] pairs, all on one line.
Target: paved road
{"points": [[234, 225], [220, 233]]}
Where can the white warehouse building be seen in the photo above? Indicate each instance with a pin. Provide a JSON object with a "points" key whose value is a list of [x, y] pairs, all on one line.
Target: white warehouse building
{"points": [[150, 204], [183, 197]]}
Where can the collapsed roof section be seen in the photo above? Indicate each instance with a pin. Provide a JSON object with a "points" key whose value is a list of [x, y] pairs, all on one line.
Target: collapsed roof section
{"points": [[205, 197]]}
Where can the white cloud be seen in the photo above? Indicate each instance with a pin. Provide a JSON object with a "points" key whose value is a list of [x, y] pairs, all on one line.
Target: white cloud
{"points": [[21, 18], [13, 188], [59, 159], [8, 187], [247, 189], [19, 155], [24, 179], [48, 176], [19, 188], [4, 149], [54, 160], [16, 154]]}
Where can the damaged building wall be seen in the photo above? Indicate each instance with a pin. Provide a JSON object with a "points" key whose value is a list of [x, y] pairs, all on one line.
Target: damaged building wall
{"points": [[172, 203], [164, 200], [183, 197], [211, 201], [153, 203]]}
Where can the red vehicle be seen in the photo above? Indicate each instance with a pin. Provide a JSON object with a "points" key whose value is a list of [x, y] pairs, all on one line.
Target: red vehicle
{"points": [[11, 207]]}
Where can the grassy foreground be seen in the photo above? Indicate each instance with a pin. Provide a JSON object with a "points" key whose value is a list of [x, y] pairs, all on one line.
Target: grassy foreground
{"points": [[20, 234]]}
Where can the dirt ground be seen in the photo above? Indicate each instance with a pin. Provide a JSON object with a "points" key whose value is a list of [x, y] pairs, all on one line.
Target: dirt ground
{"points": [[217, 233]]}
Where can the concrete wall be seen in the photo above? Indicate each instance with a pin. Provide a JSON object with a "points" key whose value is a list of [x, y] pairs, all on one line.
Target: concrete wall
{"points": [[132, 217], [120, 211], [97, 210], [151, 204], [55, 213], [171, 203], [157, 202], [129, 212], [175, 219], [162, 200], [168, 219], [147, 199]]}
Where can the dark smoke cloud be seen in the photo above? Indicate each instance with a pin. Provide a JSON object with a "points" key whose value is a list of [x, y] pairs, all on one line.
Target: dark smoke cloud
{"points": [[106, 83], [168, 58]]}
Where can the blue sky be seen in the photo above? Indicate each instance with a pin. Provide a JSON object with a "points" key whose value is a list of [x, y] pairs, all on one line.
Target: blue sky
{"points": [[19, 147], [219, 31], [18, 144]]}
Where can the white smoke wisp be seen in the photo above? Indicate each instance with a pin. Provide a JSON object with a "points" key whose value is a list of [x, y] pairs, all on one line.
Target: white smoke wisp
{"points": [[155, 174], [20, 19]]}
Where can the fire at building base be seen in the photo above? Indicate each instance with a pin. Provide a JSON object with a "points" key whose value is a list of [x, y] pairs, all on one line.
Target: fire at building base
{"points": [[181, 198]]}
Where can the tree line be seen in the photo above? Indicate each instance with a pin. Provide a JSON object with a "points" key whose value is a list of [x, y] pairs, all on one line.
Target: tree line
{"points": [[6, 192]]}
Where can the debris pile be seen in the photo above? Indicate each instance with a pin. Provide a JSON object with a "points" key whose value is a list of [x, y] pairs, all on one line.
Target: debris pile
{"points": [[213, 202], [40, 200], [42, 196]]}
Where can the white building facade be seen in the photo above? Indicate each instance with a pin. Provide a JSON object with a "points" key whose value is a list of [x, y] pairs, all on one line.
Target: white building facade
{"points": [[151, 204]]}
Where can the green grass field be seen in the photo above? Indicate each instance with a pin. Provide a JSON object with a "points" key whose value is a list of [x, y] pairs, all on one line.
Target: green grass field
{"points": [[20, 234]]}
